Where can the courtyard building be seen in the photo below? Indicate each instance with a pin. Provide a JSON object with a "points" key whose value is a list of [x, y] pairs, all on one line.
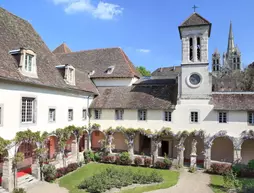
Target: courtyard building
{"points": [[101, 89]]}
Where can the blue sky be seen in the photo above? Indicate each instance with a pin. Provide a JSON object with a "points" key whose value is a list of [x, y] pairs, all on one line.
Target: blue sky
{"points": [[147, 30]]}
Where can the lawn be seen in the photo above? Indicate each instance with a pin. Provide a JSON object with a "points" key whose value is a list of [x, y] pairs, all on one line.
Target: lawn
{"points": [[72, 180], [217, 183]]}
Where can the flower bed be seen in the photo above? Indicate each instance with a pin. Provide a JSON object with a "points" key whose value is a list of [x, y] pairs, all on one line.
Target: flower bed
{"points": [[219, 168], [118, 177], [51, 173]]}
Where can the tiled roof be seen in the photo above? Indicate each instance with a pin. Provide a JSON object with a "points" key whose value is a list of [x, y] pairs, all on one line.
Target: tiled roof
{"points": [[99, 60], [195, 20], [233, 101], [141, 96], [167, 71], [62, 49], [17, 33]]}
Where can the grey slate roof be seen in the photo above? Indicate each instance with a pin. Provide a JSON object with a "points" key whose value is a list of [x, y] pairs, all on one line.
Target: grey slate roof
{"points": [[17, 33], [233, 101], [142, 96], [167, 71], [195, 20], [63, 48], [99, 60]]}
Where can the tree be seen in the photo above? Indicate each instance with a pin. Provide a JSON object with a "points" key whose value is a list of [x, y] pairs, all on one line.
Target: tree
{"points": [[143, 71], [246, 78]]}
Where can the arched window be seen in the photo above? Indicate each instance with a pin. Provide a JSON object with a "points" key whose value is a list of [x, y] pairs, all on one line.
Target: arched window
{"points": [[191, 48], [234, 60], [218, 68], [198, 48], [213, 61], [214, 68], [217, 61]]}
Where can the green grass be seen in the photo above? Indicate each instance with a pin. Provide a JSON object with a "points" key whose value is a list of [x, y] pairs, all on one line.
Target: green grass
{"points": [[72, 180], [217, 183]]}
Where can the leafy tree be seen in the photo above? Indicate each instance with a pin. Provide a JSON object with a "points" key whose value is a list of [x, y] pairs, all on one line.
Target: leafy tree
{"points": [[143, 71]]}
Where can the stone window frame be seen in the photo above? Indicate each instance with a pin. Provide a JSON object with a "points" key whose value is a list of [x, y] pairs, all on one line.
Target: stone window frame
{"points": [[142, 117], [119, 115], [35, 110], [97, 114], [223, 122], [1, 115], [198, 116], [50, 121], [70, 109], [250, 114], [69, 76], [84, 117], [164, 116], [23, 70]]}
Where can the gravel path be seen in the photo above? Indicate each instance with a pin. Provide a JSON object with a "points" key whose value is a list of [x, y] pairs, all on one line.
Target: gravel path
{"points": [[44, 187], [189, 183]]}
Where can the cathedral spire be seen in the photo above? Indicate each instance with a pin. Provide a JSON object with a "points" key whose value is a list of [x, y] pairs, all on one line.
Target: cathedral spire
{"points": [[231, 44]]}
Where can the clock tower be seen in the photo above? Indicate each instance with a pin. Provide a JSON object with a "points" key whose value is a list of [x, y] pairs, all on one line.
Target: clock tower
{"points": [[195, 80]]}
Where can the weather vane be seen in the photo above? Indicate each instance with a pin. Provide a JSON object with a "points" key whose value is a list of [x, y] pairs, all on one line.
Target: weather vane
{"points": [[194, 8]]}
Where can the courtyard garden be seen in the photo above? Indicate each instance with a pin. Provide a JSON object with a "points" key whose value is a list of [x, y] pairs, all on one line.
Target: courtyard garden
{"points": [[99, 177]]}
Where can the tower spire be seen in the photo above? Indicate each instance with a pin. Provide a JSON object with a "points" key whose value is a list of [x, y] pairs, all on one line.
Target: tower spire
{"points": [[231, 44]]}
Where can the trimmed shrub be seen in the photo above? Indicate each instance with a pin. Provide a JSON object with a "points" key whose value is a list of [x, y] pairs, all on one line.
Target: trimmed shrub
{"points": [[49, 172], [71, 167], [219, 168], [251, 164], [108, 159], [97, 157], [138, 161], [125, 158], [19, 190], [243, 170], [147, 162], [167, 162], [60, 172], [113, 177], [88, 156], [117, 160]]}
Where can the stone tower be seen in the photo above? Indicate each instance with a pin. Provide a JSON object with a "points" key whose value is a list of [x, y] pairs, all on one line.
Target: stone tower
{"points": [[216, 62], [194, 78]]}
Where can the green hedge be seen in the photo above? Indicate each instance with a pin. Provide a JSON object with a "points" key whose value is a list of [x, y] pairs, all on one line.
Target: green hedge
{"points": [[118, 177]]}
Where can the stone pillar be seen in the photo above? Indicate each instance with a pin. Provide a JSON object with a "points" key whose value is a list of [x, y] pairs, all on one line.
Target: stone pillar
{"points": [[86, 141], [89, 138], [36, 170], [207, 160], [110, 140], [180, 155], [237, 155], [155, 149], [74, 150], [131, 148], [8, 175]]}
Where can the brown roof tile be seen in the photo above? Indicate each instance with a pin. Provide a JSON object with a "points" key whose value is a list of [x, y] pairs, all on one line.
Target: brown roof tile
{"points": [[62, 49], [99, 60], [167, 71], [17, 33]]}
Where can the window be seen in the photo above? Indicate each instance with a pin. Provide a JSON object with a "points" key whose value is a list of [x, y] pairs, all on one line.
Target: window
{"points": [[213, 61], [97, 114], [1, 115], [251, 118], [234, 60], [28, 107], [167, 116], [52, 115], [142, 115], [70, 114], [218, 68], [223, 117], [217, 61], [110, 69], [191, 49], [119, 114], [198, 48], [238, 66], [194, 117], [214, 68], [28, 62], [238, 59], [84, 114]]}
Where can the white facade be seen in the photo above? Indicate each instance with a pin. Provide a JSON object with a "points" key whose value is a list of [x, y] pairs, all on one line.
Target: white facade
{"points": [[111, 82], [10, 99]]}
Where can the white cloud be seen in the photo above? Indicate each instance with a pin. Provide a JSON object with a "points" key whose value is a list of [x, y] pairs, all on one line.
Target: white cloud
{"points": [[102, 10], [143, 50]]}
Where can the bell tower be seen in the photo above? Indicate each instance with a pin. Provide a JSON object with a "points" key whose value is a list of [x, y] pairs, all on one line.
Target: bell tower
{"points": [[195, 79]]}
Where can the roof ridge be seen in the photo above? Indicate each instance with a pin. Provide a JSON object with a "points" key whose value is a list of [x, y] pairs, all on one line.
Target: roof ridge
{"points": [[90, 50], [193, 15]]}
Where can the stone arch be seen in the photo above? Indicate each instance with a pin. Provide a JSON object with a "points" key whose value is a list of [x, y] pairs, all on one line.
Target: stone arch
{"points": [[200, 149], [96, 137], [119, 142], [52, 147], [169, 141], [247, 150], [68, 146], [222, 149], [142, 144]]}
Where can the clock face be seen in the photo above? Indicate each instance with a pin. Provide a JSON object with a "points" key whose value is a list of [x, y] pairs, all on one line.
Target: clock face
{"points": [[195, 79]]}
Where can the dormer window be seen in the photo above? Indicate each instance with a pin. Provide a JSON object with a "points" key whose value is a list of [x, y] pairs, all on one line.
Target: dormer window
{"points": [[27, 61], [69, 75], [110, 69]]}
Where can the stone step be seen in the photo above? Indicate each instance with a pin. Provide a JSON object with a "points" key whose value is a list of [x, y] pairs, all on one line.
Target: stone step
{"points": [[26, 181], [3, 190]]}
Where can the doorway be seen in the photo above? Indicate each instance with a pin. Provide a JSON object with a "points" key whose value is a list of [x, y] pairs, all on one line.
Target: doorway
{"points": [[164, 148]]}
